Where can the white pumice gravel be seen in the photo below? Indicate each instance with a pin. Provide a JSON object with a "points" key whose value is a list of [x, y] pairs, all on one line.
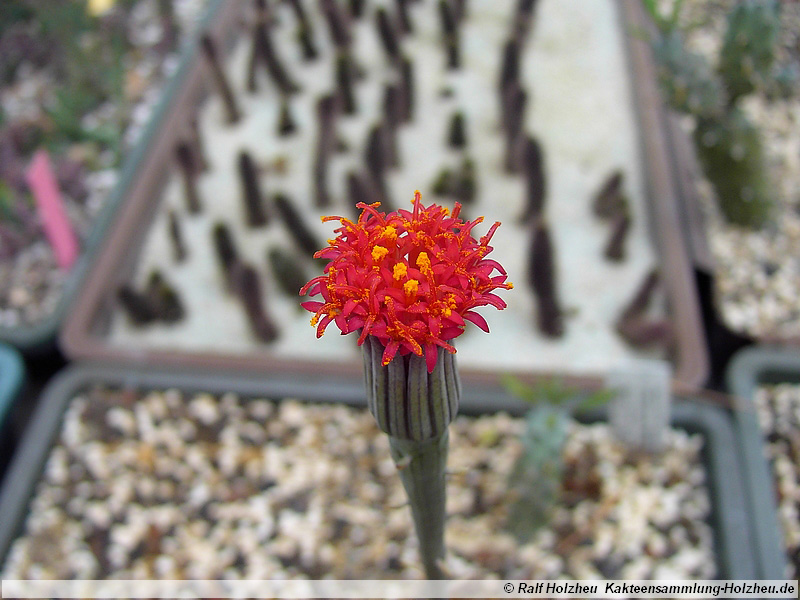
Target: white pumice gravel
{"points": [[778, 408], [757, 274], [580, 108], [333, 506], [31, 282]]}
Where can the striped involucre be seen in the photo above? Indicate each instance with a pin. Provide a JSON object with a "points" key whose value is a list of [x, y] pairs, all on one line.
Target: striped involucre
{"points": [[408, 402]]}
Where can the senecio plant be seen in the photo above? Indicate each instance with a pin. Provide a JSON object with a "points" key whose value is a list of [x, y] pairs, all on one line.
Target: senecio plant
{"points": [[536, 477], [728, 144], [408, 281]]}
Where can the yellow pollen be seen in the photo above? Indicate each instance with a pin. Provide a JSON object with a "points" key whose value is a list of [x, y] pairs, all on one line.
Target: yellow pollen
{"points": [[510, 285], [410, 287], [390, 233], [378, 252], [331, 242], [314, 320], [400, 270], [424, 263]]}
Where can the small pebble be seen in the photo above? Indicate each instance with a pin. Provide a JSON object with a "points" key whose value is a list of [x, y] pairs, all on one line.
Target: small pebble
{"points": [[778, 410], [285, 501], [31, 282]]}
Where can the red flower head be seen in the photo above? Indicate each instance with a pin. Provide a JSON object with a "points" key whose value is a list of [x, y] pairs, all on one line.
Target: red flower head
{"points": [[408, 278]]}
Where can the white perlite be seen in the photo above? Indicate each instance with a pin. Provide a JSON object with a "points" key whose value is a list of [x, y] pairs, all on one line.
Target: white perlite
{"points": [[318, 495], [778, 409], [580, 108]]}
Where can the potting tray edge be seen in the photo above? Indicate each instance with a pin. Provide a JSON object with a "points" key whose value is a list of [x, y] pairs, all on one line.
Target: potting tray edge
{"points": [[42, 336], [12, 379], [747, 370], [730, 516], [81, 339]]}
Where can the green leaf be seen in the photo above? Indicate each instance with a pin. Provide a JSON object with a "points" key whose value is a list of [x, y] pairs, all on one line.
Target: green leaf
{"points": [[595, 400], [676, 11], [517, 388], [651, 6], [6, 201]]}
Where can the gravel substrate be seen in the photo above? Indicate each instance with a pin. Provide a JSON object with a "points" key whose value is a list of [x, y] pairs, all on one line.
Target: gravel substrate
{"points": [[778, 409], [172, 486], [757, 274], [573, 67], [31, 282]]}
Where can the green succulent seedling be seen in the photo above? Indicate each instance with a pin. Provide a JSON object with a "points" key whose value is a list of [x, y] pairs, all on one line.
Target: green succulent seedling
{"points": [[535, 479], [728, 145], [665, 22], [687, 79], [747, 56], [16, 209], [88, 61], [7, 202]]}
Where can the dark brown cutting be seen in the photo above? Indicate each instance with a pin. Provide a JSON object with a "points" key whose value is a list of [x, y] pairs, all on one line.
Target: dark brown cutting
{"points": [[84, 335]]}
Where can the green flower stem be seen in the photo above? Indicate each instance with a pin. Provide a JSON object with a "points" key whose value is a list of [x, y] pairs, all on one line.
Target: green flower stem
{"points": [[421, 466], [415, 407]]}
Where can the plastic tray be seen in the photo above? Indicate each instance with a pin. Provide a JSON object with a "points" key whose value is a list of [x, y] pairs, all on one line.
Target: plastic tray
{"points": [[749, 369], [42, 337], [12, 382], [12, 379], [84, 333], [729, 518]]}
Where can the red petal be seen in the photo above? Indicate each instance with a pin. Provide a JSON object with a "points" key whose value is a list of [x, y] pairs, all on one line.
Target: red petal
{"points": [[431, 354], [389, 352], [366, 330], [450, 333], [342, 323], [418, 307], [495, 301], [312, 305], [356, 323], [348, 307], [477, 319], [323, 324], [455, 318], [312, 287], [434, 325], [395, 293]]}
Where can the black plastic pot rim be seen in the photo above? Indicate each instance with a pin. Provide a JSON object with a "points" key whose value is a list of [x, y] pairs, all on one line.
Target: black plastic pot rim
{"points": [[729, 512]]}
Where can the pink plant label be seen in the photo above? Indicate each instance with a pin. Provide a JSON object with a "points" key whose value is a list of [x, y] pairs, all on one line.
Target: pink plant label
{"points": [[50, 206]]}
